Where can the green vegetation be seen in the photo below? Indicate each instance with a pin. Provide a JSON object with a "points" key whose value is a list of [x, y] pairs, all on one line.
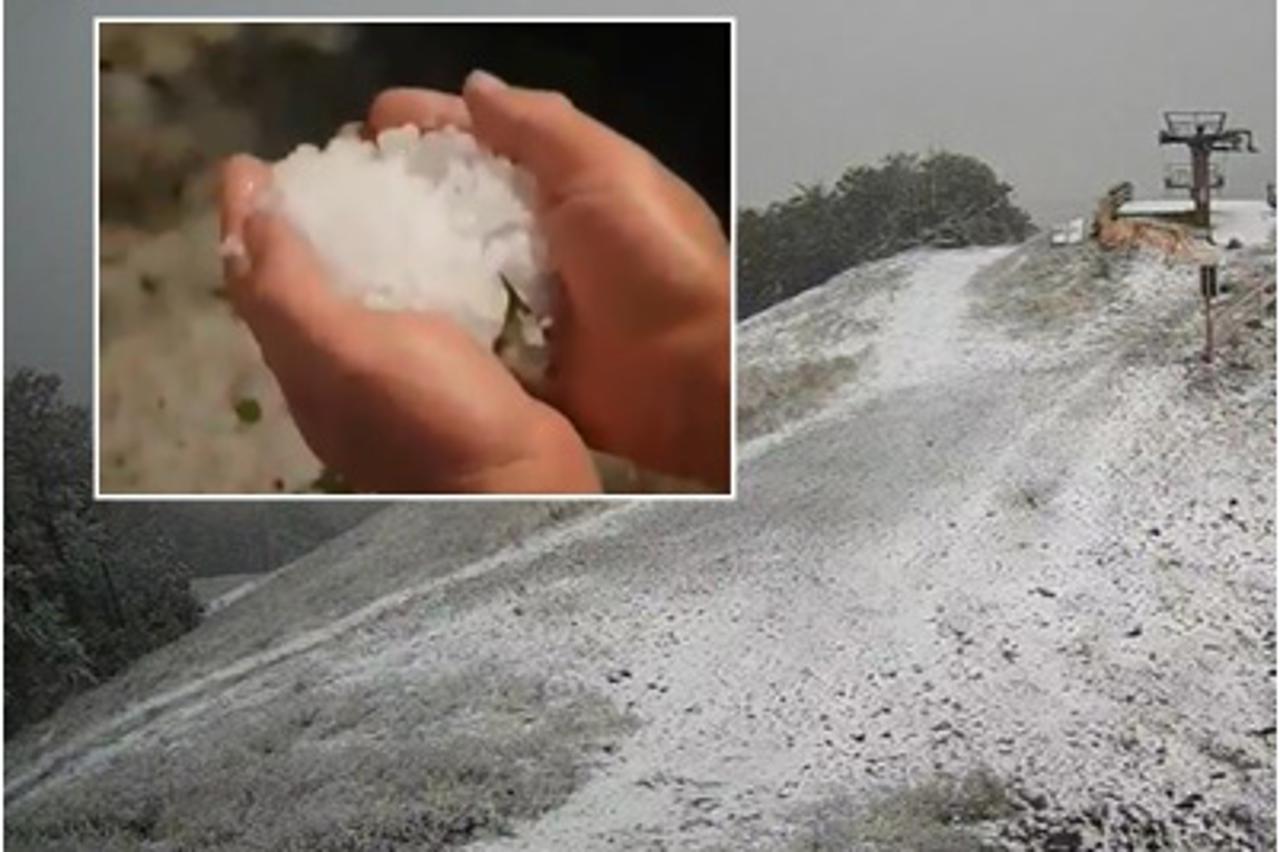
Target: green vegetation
{"points": [[248, 411], [89, 587], [942, 199], [428, 762], [329, 482], [1059, 286], [940, 814], [769, 395]]}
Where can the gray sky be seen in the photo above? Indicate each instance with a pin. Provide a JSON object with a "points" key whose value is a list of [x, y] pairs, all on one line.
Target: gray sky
{"points": [[1061, 96]]}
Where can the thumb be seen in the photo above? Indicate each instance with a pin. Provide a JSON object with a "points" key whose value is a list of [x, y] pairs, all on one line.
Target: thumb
{"points": [[275, 279], [242, 182], [541, 130]]}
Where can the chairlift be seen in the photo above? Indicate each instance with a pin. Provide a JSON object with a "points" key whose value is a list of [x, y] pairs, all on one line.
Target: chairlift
{"points": [[1179, 176]]}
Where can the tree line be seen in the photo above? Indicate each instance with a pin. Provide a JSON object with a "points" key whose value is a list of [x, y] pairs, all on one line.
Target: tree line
{"points": [[941, 199], [88, 586], [92, 586]]}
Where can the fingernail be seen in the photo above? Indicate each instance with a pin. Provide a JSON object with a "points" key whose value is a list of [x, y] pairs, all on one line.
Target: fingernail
{"points": [[234, 256], [483, 81], [264, 200]]}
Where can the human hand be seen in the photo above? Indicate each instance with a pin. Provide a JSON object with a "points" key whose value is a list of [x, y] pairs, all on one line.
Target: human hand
{"points": [[640, 358], [394, 401]]}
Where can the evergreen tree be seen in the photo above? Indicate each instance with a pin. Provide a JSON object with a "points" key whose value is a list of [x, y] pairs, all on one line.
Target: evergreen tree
{"points": [[942, 199], [89, 587]]}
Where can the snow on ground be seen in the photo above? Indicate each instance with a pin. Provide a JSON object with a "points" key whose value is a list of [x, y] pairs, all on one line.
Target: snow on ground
{"points": [[1250, 222], [215, 593], [176, 372], [1019, 536]]}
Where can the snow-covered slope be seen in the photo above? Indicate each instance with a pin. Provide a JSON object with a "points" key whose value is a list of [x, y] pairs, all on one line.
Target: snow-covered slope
{"points": [[1250, 222], [1001, 569]]}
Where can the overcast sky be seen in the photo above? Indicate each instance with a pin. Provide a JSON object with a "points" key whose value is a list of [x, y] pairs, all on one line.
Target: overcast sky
{"points": [[1061, 97]]}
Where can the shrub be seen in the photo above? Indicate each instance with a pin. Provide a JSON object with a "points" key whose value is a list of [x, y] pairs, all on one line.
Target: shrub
{"points": [[88, 587], [942, 199]]}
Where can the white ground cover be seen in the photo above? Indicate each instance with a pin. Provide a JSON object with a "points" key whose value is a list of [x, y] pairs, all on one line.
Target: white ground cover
{"points": [[1045, 550], [1250, 222]]}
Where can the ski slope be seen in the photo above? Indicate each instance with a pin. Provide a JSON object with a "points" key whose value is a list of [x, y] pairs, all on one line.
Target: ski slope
{"points": [[1008, 527]]}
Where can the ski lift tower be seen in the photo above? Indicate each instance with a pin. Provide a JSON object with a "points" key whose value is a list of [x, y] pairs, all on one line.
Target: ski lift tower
{"points": [[1204, 132]]}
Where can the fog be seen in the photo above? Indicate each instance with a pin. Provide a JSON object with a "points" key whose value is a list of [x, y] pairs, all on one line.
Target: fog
{"points": [[1061, 98]]}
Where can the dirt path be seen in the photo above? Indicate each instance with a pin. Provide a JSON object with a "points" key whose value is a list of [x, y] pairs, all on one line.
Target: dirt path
{"points": [[1043, 560], [981, 558]]}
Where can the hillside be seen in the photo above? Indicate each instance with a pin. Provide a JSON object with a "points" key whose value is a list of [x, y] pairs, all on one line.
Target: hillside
{"points": [[1000, 571], [224, 538], [91, 586]]}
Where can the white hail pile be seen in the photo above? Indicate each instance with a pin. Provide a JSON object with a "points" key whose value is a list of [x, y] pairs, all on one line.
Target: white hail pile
{"points": [[423, 221]]}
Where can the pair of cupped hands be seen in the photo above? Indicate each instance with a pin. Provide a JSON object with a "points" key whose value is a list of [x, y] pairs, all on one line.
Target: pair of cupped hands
{"points": [[401, 402]]}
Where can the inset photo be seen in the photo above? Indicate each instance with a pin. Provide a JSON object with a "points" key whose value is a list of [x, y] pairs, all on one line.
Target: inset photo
{"points": [[414, 257]]}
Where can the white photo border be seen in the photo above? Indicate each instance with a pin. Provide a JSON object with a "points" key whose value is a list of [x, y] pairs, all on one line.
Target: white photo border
{"points": [[729, 20]]}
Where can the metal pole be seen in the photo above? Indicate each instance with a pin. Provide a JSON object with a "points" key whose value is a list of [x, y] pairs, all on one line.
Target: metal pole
{"points": [[1200, 183], [1208, 286], [1208, 330]]}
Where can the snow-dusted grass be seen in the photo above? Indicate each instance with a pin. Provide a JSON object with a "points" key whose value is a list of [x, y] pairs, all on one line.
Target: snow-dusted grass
{"points": [[214, 593], [294, 608], [428, 763], [772, 396], [1043, 550], [1046, 288], [796, 356], [1250, 222], [943, 814]]}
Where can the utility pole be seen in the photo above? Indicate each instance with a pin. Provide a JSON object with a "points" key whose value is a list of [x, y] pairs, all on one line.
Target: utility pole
{"points": [[1204, 132]]}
